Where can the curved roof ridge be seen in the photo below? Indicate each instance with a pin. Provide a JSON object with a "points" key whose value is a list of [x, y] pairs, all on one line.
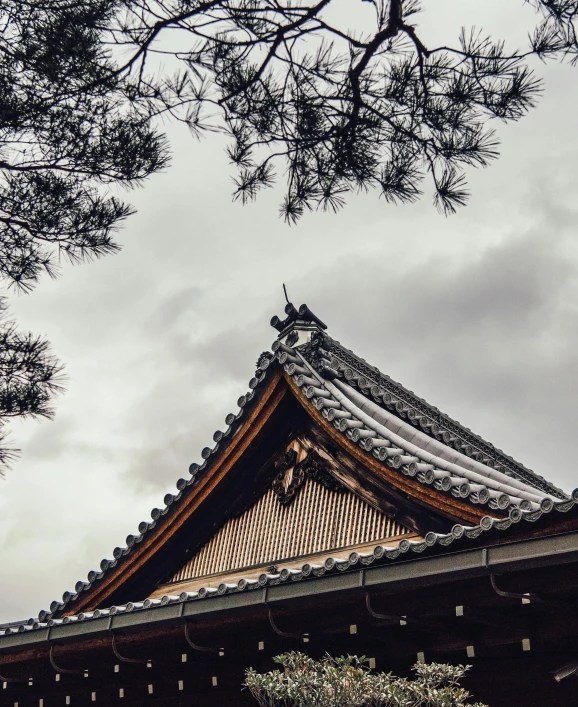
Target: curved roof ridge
{"points": [[438, 449], [501, 492], [378, 386], [221, 441]]}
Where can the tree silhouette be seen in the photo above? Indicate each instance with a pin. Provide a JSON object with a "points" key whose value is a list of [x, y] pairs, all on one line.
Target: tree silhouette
{"points": [[30, 376], [335, 109], [85, 84]]}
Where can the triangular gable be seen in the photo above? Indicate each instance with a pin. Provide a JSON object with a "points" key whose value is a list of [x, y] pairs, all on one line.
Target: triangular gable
{"points": [[303, 515], [230, 481]]}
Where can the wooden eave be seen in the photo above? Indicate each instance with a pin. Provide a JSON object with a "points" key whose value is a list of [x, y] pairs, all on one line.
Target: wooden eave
{"points": [[426, 589]]}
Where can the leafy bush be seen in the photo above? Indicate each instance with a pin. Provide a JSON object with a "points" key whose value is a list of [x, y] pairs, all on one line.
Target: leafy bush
{"points": [[348, 682]]}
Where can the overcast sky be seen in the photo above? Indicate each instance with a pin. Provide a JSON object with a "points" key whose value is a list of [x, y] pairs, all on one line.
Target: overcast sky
{"points": [[477, 313]]}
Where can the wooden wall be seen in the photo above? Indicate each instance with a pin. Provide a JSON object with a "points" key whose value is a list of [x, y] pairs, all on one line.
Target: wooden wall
{"points": [[317, 520]]}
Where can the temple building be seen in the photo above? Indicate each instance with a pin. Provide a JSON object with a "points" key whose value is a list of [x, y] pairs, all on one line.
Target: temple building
{"points": [[336, 512]]}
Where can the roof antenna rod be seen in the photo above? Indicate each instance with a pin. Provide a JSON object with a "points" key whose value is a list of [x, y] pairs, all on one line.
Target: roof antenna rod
{"points": [[285, 291]]}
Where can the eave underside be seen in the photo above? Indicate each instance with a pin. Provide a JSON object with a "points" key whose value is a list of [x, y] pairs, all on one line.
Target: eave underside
{"points": [[524, 641]]}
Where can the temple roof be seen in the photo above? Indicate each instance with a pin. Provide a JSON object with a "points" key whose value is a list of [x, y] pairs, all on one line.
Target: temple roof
{"points": [[421, 451]]}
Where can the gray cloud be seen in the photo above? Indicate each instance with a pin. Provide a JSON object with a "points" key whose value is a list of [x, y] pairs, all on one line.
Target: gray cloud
{"points": [[476, 313]]}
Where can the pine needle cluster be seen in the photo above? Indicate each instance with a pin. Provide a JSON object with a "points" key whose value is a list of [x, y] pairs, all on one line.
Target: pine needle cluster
{"points": [[335, 97]]}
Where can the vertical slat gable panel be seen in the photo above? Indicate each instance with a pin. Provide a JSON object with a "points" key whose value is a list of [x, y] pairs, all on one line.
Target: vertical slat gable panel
{"points": [[317, 520]]}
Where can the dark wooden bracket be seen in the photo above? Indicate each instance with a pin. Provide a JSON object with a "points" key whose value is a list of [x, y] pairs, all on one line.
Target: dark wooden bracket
{"points": [[196, 647], [510, 595], [123, 659], [278, 631], [394, 620], [528, 597], [58, 669], [3, 679], [415, 622]]}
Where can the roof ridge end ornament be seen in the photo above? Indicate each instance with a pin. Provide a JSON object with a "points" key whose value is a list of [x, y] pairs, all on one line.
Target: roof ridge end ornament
{"points": [[296, 321]]}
